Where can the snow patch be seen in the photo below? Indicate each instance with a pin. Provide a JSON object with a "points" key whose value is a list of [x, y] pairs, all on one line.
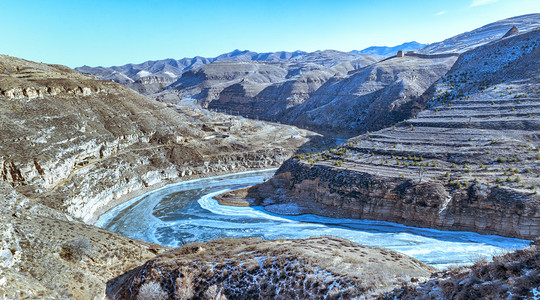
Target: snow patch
{"points": [[170, 74], [143, 73], [289, 209]]}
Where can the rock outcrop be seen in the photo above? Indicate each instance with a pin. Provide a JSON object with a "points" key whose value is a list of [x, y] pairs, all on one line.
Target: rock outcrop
{"points": [[469, 162], [513, 31]]}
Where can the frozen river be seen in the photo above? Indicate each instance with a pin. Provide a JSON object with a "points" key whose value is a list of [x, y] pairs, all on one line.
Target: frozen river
{"points": [[185, 212]]}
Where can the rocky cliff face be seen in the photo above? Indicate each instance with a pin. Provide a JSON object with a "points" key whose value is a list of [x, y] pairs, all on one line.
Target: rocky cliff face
{"points": [[470, 162], [335, 192]]}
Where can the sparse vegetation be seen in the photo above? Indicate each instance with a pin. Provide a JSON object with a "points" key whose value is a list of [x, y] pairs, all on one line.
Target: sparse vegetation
{"points": [[152, 291], [76, 249]]}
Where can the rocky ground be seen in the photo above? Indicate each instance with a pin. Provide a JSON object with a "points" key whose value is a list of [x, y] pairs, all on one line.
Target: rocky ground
{"points": [[469, 162], [315, 268]]}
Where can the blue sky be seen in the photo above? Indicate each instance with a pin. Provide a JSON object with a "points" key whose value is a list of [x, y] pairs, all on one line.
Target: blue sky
{"points": [[116, 32]]}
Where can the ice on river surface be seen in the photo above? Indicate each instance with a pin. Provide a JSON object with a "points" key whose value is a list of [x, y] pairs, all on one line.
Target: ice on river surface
{"points": [[185, 212]]}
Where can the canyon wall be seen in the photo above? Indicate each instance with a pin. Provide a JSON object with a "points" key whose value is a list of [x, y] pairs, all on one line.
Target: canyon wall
{"points": [[340, 193]]}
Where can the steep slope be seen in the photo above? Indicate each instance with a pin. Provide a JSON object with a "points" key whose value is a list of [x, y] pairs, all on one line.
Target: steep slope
{"points": [[344, 100], [315, 268], [370, 98], [44, 254], [387, 51], [470, 162], [483, 35]]}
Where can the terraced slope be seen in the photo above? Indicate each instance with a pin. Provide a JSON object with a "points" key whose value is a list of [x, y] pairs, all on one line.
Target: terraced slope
{"points": [[469, 162]]}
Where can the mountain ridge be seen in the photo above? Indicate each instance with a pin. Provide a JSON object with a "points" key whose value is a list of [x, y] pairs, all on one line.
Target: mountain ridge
{"points": [[482, 35], [386, 50]]}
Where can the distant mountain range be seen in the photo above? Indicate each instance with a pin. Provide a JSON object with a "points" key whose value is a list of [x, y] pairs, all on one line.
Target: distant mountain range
{"points": [[152, 76], [329, 91], [385, 51]]}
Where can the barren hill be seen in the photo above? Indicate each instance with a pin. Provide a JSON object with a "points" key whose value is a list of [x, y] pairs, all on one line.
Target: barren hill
{"points": [[469, 162], [346, 99], [372, 97]]}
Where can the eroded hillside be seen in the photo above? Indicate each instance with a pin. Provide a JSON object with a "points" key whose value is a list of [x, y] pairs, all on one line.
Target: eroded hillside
{"points": [[371, 98], [76, 143]]}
